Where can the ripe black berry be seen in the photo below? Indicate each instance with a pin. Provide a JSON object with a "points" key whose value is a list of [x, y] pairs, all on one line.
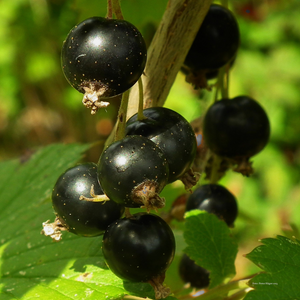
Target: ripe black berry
{"points": [[236, 128], [139, 249], [215, 45], [103, 58], [84, 218], [133, 171], [172, 133], [216, 42], [214, 199], [193, 274]]}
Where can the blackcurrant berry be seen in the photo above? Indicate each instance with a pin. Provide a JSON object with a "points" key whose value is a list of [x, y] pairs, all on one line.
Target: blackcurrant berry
{"points": [[139, 248], [214, 199], [84, 218], [133, 171], [215, 45], [172, 133], [236, 128], [216, 42], [193, 274], [103, 58]]}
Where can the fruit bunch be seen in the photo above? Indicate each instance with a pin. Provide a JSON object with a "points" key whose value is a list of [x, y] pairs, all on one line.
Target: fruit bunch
{"points": [[105, 57]]}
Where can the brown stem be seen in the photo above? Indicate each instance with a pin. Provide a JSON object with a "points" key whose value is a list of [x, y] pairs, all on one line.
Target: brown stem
{"points": [[168, 49], [121, 121], [109, 10], [117, 9]]}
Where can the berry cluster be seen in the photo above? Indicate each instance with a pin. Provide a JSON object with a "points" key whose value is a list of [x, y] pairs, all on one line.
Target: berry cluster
{"points": [[102, 58]]}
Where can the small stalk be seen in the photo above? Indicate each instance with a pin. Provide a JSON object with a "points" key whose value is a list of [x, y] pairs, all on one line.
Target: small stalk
{"points": [[117, 9], [121, 120], [141, 101], [109, 9], [223, 289], [127, 213], [214, 177], [239, 295], [222, 83], [135, 298], [224, 3]]}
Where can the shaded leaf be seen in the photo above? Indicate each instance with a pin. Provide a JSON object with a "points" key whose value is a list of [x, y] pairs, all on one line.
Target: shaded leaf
{"points": [[210, 245]]}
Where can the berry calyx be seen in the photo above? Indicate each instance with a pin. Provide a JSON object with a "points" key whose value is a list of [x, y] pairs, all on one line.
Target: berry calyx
{"points": [[102, 58]]}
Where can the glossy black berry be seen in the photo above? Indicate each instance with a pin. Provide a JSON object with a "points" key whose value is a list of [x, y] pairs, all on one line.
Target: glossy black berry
{"points": [[133, 171], [193, 274], [216, 42], [214, 199], [85, 218], [139, 248], [103, 58], [236, 128], [172, 133]]}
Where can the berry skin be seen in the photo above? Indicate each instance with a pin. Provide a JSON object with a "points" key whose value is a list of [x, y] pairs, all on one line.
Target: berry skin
{"points": [[103, 58], [139, 248], [236, 128], [172, 133], [133, 171], [216, 42], [84, 218], [215, 45], [190, 272], [214, 199]]}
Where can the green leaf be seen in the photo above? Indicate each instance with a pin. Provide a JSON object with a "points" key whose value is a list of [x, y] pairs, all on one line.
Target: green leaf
{"points": [[210, 245], [31, 264], [280, 259]]}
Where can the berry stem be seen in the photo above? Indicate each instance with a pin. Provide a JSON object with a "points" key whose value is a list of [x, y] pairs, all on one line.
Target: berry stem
{"points": [[94, 197], [214, 176], [117, 9], [224, 3], [223, 81], [239, 295], [109, 10], [127, 213], [135, 298], [141, 101], [121, 120], [223, 289]]}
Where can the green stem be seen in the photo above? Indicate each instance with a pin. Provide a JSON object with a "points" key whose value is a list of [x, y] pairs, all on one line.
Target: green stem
{"points": [[141, 100], [224, 289], [222, 82], [224, 3], [117, 9], [238, 295], [135, 297], [214, 177], [121, 120]]}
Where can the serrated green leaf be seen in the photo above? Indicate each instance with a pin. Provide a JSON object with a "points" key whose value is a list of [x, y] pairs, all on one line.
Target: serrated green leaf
{"points": [[31, 264], [210, 245], [280, 259]]}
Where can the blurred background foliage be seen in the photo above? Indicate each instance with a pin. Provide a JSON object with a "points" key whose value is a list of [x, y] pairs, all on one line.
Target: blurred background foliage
{"points": [[38, 107]]}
